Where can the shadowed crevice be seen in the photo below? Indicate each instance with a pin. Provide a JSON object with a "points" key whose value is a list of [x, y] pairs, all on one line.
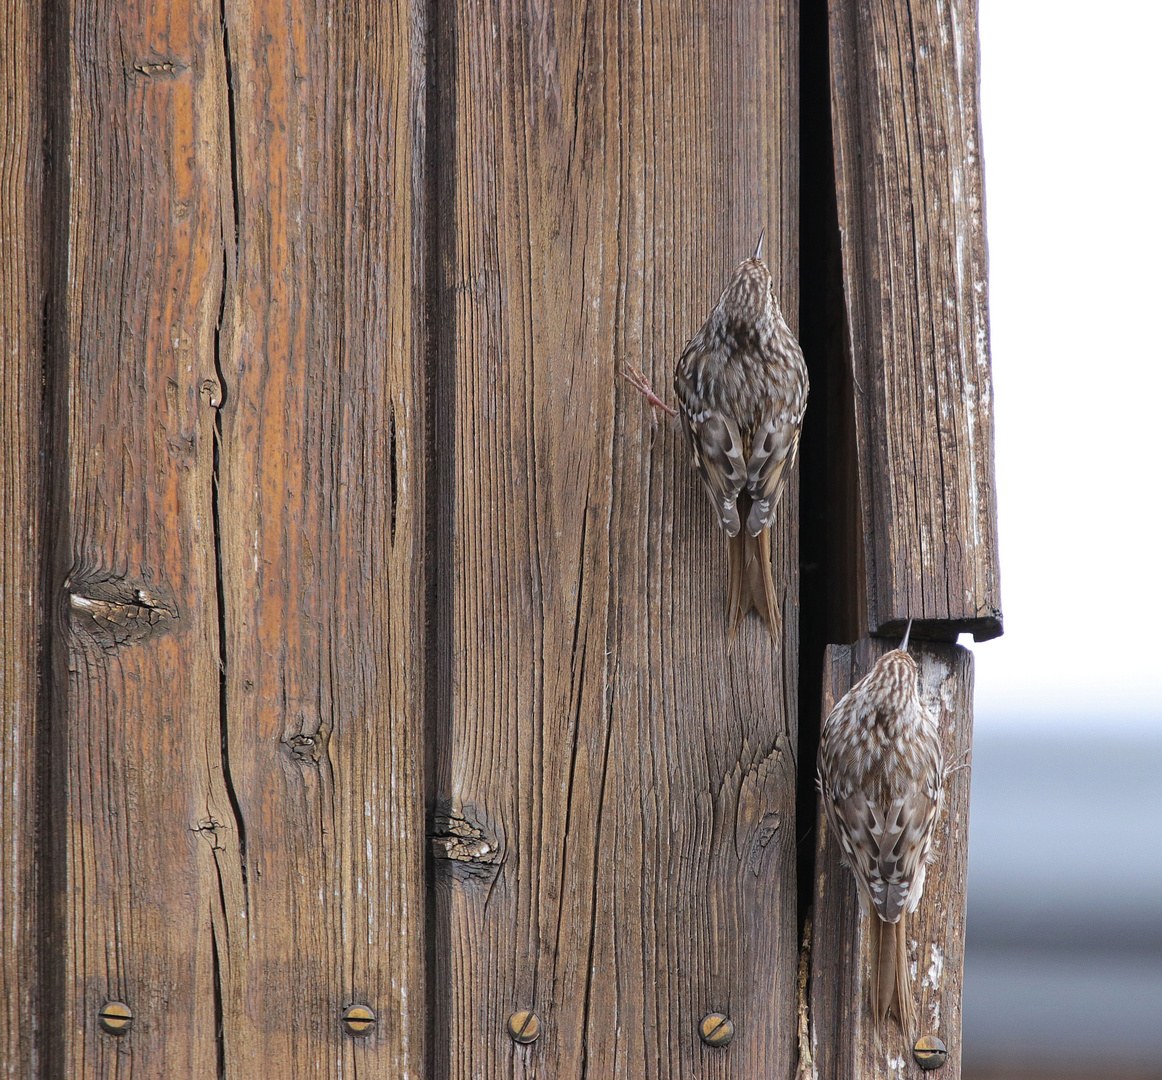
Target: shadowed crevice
{"points": [[435, 222], [218, 402], [393, 465], [219, 1016], [54, 533], [830, 540]]}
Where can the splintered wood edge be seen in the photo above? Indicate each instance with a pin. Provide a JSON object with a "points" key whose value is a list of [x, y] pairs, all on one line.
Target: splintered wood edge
{"points": [[842, 1042]]}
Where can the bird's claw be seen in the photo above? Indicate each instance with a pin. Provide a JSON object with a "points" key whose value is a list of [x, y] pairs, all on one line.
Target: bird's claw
{"points": [[634, 376]]}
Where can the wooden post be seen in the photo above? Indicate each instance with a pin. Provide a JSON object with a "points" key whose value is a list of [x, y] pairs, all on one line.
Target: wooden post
{"points": [[323, 550], [616, 830], [240, 707], [336, 505], [910, 227], [910, 194], [842, 1039], [148, 840], [22, 299]]}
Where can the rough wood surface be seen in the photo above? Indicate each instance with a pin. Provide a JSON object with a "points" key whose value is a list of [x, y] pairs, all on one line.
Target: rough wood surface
{"points": [[240, 705], [615, 833], [842, 1042], [911, 213], [22, 121], [142, 809], [322, 511], [266, 473]]}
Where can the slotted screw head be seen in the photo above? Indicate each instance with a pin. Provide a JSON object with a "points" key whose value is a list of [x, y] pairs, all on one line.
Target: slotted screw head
{"points": [[358, 1019], [716, 1029], [524, 1026], [930, 1052], [115, 1017]]}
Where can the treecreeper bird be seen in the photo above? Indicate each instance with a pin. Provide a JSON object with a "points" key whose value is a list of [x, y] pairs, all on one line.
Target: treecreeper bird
{"points": [[742, 390], [881, 775]]}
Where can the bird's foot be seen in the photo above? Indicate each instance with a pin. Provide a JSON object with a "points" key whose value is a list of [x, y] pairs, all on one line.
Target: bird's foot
{"points": [[633, 375]]}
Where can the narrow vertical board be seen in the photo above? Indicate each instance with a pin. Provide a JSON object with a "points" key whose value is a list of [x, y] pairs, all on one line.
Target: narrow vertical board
{"points": [[842, 1040], [911, 213], [615, 835], [22, 251], [322, 510], [138, 798]]}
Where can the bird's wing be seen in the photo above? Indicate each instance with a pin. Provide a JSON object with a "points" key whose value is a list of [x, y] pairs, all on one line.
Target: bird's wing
{"points": [[718, 453], [887, 839], [905, 844], [848, 815], [772, 449], [857, 825]]}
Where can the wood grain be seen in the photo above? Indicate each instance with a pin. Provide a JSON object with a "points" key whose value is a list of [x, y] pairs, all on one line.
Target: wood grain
{"points": [[911, 213], [842, 1042], [341, 473], [615, 832], [144, 816], [22, 286], [243, 796], [322, 510]]}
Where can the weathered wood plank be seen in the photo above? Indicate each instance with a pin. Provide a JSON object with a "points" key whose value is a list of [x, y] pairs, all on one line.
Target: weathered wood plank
{"points": [[616, 834], [322, 503], [23, 246], [144, 818], [842, 1041], [911, 213]]}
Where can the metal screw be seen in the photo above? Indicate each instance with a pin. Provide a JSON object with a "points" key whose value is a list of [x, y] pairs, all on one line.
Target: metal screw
{"points": [[930, 1052], [115, 1017], [524, 1026], [716, 1029], [358, 1019]]}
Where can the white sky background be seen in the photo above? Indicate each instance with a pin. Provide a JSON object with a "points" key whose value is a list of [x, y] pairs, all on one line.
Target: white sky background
{"points": [[1071, 98]]}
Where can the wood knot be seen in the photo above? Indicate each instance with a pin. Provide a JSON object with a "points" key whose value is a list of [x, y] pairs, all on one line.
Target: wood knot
{"points": [[163, 67], [463, 844], [112, 612], [308, 747], [762, 836]]}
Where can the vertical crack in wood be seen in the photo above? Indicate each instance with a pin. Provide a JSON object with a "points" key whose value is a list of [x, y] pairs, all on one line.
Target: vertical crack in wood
{"points": [[235, 179], [580, 596], [806, 1069], [438, 395], [393, 476], [599, 814], [217, 402], [219, 1015], [50, 881]]}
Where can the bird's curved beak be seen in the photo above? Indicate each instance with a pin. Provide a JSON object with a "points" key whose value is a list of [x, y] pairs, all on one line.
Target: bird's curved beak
{"points": [[758, 251], [907, 634]]}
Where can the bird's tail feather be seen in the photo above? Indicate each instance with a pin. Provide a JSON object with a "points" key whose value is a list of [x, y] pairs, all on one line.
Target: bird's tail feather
{"points": [[891, 985], [752, 583]]}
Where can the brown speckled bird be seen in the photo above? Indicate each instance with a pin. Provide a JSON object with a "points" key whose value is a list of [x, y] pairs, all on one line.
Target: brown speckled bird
{"points": [[881, 775], [742, 388]]}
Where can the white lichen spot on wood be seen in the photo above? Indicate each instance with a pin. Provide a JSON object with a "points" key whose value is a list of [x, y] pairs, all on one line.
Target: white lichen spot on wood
{"points": [[935, 968], [937, 685]]}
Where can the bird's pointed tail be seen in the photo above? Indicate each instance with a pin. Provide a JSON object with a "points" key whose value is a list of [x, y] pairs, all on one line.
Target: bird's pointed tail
{"points": [[891, 985], [752, 583]]}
